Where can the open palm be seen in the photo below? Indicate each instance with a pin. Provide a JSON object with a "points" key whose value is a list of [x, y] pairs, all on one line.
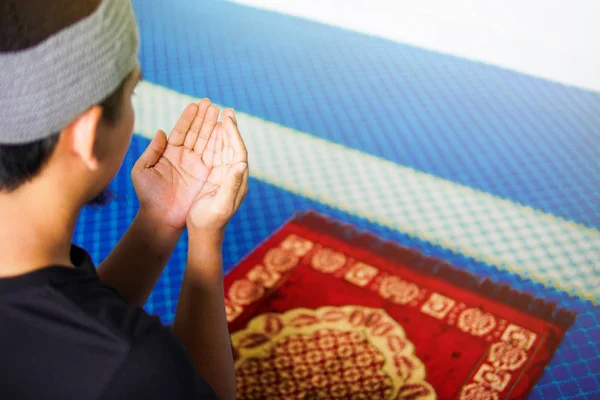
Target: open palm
{"points": [[187, 170]]}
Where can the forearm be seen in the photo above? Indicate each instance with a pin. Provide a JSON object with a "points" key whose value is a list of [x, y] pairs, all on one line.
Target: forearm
{"points": [[200, 321], [135, 264]]}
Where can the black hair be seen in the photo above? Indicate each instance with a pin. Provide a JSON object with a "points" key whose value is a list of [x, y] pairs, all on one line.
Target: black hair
{"points": [[23, 24]]}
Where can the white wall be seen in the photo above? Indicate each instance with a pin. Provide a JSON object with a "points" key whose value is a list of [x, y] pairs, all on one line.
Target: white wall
{"points": [[553, 39]]}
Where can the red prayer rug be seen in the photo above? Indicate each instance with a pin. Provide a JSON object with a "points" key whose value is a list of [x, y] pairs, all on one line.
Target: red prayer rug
{"points": [[321, 310]]}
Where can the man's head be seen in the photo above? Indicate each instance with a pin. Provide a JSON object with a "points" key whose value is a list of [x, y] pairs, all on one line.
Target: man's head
{"points": [[91, 147]]}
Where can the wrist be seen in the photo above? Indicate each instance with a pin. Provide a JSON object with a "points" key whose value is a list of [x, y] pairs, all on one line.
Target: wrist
{"points": [[160, 238], [155, 224], [206, 238], [205, 258]]}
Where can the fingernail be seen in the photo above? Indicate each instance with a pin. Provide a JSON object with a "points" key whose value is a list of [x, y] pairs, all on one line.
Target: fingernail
{"points": [[242, 168]]}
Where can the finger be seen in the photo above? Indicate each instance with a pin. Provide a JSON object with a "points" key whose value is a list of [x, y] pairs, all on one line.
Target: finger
{"points": [[181, 128], [192, 136], [240, 153], [229, 113], [209, 151], [230, 187], [208, 125], [243, 190], [226, 152], [154, 150], [218, 153]]}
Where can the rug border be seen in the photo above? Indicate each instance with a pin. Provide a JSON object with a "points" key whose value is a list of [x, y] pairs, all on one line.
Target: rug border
{"points": [[437, 267]]}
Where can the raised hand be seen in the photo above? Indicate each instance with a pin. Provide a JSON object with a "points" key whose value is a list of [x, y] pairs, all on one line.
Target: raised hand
{"points": [[227, 158], [185, 177]]}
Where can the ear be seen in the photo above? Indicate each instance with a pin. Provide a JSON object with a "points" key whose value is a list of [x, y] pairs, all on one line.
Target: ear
{"points": [[81, 135]]}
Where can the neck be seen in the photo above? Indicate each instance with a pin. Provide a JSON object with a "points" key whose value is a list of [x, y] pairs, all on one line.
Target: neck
{"points": [[36, 230]]}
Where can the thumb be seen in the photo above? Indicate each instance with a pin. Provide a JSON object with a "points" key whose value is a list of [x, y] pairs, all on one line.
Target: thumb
{"points": [[231, 185], [154, 150]]}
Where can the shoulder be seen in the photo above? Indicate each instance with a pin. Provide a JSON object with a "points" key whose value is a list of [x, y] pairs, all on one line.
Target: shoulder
{"points": [[78, 338]]}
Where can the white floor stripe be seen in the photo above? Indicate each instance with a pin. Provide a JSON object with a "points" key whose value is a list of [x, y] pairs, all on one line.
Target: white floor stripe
{"points": [[534, 244]]}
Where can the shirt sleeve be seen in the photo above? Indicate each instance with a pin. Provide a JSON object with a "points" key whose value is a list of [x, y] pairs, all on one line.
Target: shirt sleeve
{"points": [[157, 367]]}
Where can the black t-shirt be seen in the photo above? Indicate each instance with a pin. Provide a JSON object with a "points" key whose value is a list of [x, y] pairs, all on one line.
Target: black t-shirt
{"points": [[66, 335]]}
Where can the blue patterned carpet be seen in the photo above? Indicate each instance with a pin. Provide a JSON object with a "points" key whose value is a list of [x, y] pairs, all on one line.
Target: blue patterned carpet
{"points": [[518, 137]]}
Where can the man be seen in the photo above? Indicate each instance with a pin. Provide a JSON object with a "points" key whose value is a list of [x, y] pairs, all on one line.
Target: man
{"points": [[68, 70]]}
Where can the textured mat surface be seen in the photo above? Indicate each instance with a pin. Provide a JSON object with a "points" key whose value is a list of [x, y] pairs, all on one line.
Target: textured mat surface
{"points": [[493, 230], [518, 137], [510, 134]]}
